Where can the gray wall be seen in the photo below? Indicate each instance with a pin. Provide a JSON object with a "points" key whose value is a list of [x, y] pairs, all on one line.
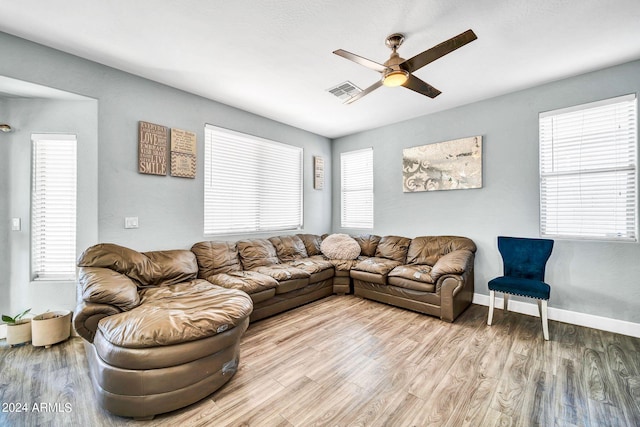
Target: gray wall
{"points": [[29, 116], [596, 278], [169, 209]]}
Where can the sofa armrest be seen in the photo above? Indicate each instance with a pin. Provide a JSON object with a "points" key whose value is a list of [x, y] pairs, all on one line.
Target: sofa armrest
{"points": [[455, 262], [87, 316], [454, 277], [104, 286], [456, 289]]}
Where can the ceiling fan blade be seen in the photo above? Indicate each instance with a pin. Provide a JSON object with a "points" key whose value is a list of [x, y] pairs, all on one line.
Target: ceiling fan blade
{"points": [[430, 55], [367, 91], [360, 60], [417, 85]]}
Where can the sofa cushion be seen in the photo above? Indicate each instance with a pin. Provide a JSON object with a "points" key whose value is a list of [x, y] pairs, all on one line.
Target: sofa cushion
{"points": [[312, 265], [419, 273], [216, 257], [428, 249], [257, 253], [340, 246], [289, 248], [131, 263], [393, 247], [455, 262], [155, 268], [246, 281], [173, 266], [345, 264], [175, 314], [104, 286], [376, 265], [312, 243], [282, 272], [416, 277], [368, 244], [414, 285]]}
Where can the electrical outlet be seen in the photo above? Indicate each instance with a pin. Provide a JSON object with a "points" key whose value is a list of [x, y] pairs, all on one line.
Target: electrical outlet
{"points": [[16, 224], [131, 222]]}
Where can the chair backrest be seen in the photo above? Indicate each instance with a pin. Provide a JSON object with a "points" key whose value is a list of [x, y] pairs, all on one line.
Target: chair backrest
{"points": [[523, 257]]}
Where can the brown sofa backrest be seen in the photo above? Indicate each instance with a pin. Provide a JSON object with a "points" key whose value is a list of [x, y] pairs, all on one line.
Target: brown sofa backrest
{"points": [[216, 257], [428, 249], [393, 248], [147, 269], [257, 253], [289, 248], [368, 244], [312, 243]]}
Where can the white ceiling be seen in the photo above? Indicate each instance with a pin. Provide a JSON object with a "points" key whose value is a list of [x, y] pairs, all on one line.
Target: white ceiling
{"points": [[274, 58]]}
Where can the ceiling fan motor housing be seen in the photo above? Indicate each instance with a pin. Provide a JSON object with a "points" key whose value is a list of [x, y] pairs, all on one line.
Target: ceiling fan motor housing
{"points": [[394, 40], [394, 75]]}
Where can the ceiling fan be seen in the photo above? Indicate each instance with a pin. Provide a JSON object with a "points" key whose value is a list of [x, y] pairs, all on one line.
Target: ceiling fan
{"points": [[397, 71]]}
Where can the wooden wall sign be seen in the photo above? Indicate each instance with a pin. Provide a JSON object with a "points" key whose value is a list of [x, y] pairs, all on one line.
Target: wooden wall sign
{"points": [[152, 148], [183, 153]]}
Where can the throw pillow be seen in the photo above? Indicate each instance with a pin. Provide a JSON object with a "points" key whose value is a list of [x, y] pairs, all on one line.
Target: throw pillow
{"points": [[340, 246]]}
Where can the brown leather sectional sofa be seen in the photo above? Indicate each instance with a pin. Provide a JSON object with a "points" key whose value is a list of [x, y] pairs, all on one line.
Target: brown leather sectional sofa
{"points": [[278, 273], [162, 329]]}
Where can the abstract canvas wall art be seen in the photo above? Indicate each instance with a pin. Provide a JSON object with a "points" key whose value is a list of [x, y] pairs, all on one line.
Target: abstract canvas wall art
{"points": [[449, 165]]}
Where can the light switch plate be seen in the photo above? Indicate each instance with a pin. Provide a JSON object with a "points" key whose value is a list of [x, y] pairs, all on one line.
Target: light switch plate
{"points": [[16, 224], [131, 222]]}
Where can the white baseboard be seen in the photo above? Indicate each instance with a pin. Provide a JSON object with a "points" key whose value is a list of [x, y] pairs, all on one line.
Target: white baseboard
{"points": [[573, 317]]}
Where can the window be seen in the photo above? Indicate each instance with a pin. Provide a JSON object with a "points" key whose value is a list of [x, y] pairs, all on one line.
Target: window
{"points": [[588, 170], [251, 184], [357, 188], [53, 207]]}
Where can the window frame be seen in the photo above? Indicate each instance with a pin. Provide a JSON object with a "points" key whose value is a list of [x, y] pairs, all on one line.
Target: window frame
{"points": [[42, 267], [567, 138], [263, 193], [354, 219]]}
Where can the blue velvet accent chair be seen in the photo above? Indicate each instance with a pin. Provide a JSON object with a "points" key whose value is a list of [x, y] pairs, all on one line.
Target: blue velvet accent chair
{"points": [[524, 262]]}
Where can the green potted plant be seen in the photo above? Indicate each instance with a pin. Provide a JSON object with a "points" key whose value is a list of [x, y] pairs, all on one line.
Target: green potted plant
{"points": [[18, 328]]}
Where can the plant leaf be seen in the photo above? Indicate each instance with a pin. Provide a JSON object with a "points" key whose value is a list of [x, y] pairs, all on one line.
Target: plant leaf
{"points": [[8, 319], [21, 315]]}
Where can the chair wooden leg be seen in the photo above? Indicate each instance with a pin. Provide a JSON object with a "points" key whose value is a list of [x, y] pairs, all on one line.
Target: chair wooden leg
{"points": [[545, 321], [492, 303], [539, 301], [505, 305]]}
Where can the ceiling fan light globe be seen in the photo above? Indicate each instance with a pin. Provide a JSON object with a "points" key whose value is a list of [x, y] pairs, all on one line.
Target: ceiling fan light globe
{"points": [[395, 78]]}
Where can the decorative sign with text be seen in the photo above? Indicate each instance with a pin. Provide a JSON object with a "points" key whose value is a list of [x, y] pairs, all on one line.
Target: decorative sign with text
{"points": [[152, 148], [183, 153], [318, 173]]}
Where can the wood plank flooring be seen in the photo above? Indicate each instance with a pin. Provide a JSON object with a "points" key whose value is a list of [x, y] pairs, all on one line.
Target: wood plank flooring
{"points": [[345, 361]]}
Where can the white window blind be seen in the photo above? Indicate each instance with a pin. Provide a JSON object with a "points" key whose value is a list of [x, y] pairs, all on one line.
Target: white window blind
{"points": [[588, 170], [357, 188], [251, 184], [53, 207]]}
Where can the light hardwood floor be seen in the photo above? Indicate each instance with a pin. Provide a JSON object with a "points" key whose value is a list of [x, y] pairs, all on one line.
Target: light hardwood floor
{"points": [[348, 361]]}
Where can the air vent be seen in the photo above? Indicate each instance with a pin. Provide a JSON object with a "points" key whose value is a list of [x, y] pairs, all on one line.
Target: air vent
{"points": [[344, 91]]}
